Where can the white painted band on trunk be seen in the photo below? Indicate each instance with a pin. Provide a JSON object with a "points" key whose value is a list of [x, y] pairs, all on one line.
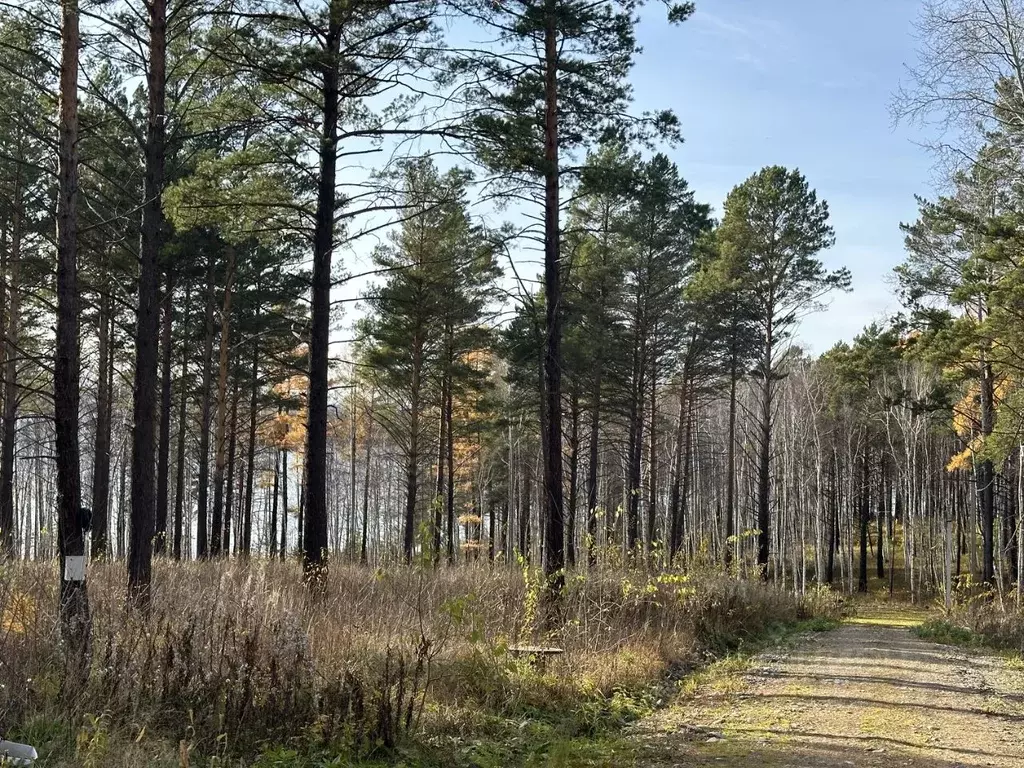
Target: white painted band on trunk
{"points": [[74, 568]]}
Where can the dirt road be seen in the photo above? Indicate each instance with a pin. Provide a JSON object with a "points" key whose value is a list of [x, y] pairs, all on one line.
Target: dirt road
{"points": [[867, 694]]}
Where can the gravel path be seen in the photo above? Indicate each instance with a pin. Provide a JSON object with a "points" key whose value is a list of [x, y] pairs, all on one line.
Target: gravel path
{"points": [[866, 694]]}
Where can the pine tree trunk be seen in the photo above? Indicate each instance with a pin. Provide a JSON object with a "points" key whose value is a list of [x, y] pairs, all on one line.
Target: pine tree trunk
{"points": [[352, 474], [525, 497], [363, 554], [164, 445], [202, 540], [593, 461], [413, 456], [122, 503], [143, 496], [574, 473], [302, 511], [442, 442], [75, 620], [8, 544], [865, 510], [10, 405], [101, 453], [230, 483], [833, 520], [764, 466], [220, 443], [986, 479], [652, 504], [179, 475], [731, 544], [634, 451], [880, 518], [273, 504], [679, 469], [450, 461], [554, 561], [314, 553], [250, 448], [284, 504]]}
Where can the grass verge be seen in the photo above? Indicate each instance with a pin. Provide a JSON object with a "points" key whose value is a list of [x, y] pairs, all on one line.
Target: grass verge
{"points": [[236, 667]]}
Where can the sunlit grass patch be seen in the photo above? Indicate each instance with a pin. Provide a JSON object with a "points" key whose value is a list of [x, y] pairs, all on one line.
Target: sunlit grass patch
{"points": [[908, 622], [946, 633]]}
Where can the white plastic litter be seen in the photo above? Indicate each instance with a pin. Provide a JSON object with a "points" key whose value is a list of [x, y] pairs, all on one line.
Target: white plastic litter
{"points": [[12, 753]]}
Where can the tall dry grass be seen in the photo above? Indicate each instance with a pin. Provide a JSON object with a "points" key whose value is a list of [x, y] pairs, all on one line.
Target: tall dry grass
{"points": [[234, 657]]}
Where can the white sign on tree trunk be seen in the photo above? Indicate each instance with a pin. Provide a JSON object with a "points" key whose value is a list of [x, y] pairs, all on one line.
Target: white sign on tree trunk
{"points": [[74, 568]]}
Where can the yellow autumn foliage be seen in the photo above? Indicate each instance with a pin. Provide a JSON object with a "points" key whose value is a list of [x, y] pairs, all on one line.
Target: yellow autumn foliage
{"points": [[294, 387], [967, 417], [19, 612], [286, 431]]}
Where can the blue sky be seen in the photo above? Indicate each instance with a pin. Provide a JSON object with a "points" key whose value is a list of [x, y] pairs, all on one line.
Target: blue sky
{"points": [[804, 84]]}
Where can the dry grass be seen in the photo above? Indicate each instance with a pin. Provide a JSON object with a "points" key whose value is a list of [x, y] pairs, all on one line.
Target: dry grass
{"points": [[234, 658]]}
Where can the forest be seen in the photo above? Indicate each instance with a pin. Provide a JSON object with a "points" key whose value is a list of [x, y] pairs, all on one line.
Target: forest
{"points": [[354, 353]]}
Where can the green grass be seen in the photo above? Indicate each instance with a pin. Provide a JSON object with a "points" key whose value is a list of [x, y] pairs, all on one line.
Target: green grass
{"points": [[947, 633]]}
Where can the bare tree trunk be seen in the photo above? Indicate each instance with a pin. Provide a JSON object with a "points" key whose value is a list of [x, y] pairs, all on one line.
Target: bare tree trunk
{"points": [[554, 549], [833, 520], [363, 554], [179, 477], [450, 460], [986, 479], [101, 453], [442, 442], [865, 507], [164, 446], [273, 504], [413, 456], [574, 474], [230, 487], [352, 470], [677, 509], [880, 516], [314, 554], [593, 460], [634, 450], [652, 503], [302, 509], [202, 542], [731, 544], [250, 448], [122, 502], [143, 522], [10, 407], [220, 447], [284, 504], [75, 620], [764, 466]]}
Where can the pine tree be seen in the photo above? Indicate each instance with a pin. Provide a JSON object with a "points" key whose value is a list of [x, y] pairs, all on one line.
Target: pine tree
{"points": [[662, 227], [558, 84], [75, 619], [24, 193], [775, 226], [425, 319]]}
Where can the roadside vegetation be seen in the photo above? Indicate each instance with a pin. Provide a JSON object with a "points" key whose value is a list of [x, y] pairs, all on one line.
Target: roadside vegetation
{"points": [[417, 664]]}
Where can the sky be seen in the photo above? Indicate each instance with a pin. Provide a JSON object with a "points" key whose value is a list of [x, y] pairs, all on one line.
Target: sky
{"points": [[805, 84]]}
